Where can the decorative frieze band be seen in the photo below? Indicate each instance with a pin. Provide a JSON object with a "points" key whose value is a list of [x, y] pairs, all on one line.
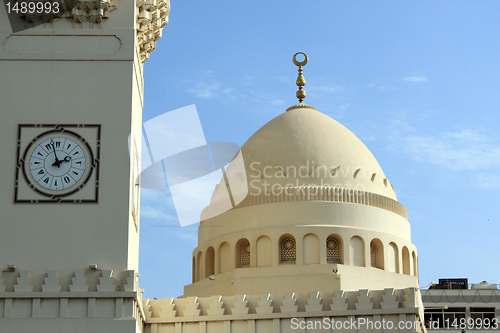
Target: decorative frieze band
{"points": [[311, 193], [76, 11], [151, 17], [80, 281], [336, 303]]}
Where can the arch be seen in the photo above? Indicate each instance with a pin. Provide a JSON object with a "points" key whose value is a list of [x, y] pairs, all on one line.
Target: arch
{"points": [[210, 262], [310, 249], [194, 270], [224, 258], [288, 249], [264, 252], [243, 253], [198, 266], [376, 253], [357, 251], [406, 260], [415, 263], [392, 258], [334, 249]]}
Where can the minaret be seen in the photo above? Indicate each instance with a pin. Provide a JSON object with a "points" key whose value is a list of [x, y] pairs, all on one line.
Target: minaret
{"points": [[72, 92], [320, 216]]}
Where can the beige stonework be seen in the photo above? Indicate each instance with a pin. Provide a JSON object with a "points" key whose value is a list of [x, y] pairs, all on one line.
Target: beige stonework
{"points": [[318, 251], [320, 214], [81, 69]]}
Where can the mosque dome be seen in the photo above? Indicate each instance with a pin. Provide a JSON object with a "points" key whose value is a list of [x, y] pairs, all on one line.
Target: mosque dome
{"points": [[303, 147], [304, 206]]}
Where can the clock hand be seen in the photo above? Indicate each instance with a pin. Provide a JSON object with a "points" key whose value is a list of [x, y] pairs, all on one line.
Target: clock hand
{"points": [[67, 159], [57, 161]]}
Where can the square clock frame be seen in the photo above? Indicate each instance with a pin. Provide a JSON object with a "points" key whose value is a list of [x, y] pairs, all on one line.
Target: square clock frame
{"points": [[57, 163]]}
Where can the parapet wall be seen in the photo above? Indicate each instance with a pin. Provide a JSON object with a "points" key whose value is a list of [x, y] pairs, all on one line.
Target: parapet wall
{"points": [[109, 303], [281, 312], [114, 304]]}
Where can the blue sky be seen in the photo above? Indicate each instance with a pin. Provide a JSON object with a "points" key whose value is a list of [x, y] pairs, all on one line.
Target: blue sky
{"points": [[416, 81]]}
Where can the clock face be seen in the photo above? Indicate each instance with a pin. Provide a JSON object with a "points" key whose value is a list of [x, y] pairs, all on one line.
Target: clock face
{"points": [[58, 163]]}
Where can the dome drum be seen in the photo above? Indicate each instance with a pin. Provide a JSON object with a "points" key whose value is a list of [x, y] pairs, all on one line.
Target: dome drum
{"points": [[281, 251]]}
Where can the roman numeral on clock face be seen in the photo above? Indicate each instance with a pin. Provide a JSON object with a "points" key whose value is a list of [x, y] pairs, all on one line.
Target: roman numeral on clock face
{"points": [[58, 163]]}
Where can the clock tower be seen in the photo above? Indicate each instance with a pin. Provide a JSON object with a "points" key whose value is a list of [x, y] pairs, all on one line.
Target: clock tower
{"points": [[71, 92]]}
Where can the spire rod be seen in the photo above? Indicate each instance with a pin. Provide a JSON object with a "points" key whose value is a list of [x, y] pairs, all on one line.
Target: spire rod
{"points": [[301, 82]]}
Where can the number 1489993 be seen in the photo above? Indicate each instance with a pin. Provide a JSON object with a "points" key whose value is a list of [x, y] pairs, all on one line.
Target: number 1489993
{"points": [[33, 7]]}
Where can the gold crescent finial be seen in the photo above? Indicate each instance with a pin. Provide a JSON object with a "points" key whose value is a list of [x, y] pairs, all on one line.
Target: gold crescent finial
{"points": [[301, 82], [301, 63]]}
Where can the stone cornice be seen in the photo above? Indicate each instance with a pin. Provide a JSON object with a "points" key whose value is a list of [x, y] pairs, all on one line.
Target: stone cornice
{"points": [[152, 17], [290, 305]]}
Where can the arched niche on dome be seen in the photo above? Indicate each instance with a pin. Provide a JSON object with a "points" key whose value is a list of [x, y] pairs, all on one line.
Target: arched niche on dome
{"points": [[334, 253], [310, 249], [406, 261], [224, 258], [210, 262], [392, 258], [357, 251], [415, 263], [243, 253], [376, 253], [288, 249], [264, 251], [199, 258]]}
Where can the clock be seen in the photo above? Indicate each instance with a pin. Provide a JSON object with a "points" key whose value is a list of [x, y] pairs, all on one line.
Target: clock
{"points": [[57, 163]]}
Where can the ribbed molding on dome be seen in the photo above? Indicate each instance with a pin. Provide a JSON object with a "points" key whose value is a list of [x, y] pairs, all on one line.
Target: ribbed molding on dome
{"points": [[313, 193], [301, 106]]}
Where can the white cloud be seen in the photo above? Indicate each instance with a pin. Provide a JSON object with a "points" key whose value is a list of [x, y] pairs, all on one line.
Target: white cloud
{"points": [[208, 87], [205, 89], [157, 205], [277, 101], [156, 213], [284, 79], [488, 181], [463, 150], [248, 80], [263, 96], [191, 237], [327, 89], [417, 79], [380, 86]]}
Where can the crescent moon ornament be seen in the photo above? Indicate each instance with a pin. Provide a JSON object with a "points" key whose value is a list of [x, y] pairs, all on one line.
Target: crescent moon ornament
{"points": [[300, 63]]}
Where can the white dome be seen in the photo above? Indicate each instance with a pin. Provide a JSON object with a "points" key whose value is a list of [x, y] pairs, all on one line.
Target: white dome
{"points": [[303, 147], [307, 156]]}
